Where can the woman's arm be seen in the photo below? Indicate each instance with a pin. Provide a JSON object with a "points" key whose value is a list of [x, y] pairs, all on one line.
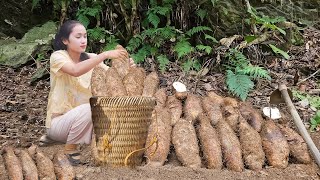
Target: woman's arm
{"points": [[78, 69]]}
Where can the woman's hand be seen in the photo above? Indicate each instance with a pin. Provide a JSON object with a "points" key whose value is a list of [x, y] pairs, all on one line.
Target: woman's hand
{"points": [[117, 54]]}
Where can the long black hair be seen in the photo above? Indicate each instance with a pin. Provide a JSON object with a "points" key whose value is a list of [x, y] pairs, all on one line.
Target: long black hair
{"points": [[63, 34]]}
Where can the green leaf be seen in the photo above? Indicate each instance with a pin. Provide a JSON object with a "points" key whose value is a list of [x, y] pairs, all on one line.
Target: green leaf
{"points": [[207, 49], [201, 13], [198, 29], [183, 47], [255, 72], [214, 40], [153, 19], [239, 84], [163, 62], [279, 51], [249, 39], [84, 20]]}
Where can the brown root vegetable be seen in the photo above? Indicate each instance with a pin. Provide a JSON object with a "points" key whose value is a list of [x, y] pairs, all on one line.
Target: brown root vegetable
{"points": [[298, 147], [231, 117], [98, 83], [62, 167], [210, 143], [175, 107], [29, 168], [180, 90], [121, 65], [184, 140], [151, 84], [274, 145], [13, 164], [113, 84], [134, 81], [3, 172], [215, 97], [192, 108], [231, 149], [45, 166], [228, 101], [252, 116], [213, 110], [251, 146], [161, 97], [159, 138]]}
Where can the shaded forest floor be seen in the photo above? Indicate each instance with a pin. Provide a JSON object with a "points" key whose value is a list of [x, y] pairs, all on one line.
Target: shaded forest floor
{"points": [[23, 112]]}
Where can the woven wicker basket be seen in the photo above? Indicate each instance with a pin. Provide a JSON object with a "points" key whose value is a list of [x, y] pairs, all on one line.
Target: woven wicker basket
{"points": [[121, 126]]}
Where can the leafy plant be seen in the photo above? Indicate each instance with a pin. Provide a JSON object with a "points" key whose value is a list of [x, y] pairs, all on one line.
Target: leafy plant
{"points": [[315, 121], [279, 51], [313, 100], [240, 73]]}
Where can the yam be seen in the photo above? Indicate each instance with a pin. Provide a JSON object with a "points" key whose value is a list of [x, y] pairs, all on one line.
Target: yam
{"points": [[160, 129], [29, 168], [192, 107], [175, 107], [134, 81], [13, 164], [113, 84], [150, 85], [45, 166], [184, 140], [274, 145], [62, 167], [231, 117], [161, 97], [210, 143], [121, 65], [251, 146], [231, 149], [213, 110], [180, 90], [215, 97], [252, 116], [98, 83], [297, 145], [3, 172]]}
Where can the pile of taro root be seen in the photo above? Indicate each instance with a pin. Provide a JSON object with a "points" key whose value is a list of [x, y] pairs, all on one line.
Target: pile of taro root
{"points": [[33, 164], [232, 134]]}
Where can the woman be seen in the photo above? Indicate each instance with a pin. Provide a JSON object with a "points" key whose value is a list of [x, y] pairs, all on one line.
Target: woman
{"points": [[68, 111]]}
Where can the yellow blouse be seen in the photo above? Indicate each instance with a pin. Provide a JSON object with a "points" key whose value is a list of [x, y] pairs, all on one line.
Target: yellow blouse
{"points": [[66, 91]]}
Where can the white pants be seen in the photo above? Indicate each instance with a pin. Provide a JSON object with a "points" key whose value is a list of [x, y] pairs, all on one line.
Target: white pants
{"points": [[73, 127]]}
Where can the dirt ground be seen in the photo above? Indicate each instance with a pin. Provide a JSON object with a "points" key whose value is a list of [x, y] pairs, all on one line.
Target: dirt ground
{"points": [[23, 111]]}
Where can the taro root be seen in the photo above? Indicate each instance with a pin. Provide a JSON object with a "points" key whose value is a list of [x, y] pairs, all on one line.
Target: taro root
{"points": [[98, 81], [151, 84], [3, 172], [121, 65], [62, 167], [228, 101], [29, 168], [251, 146], [210, 143], [134, 81], [113, 84], [13, 164], [159, 138], [180, 90], [184, 140], [215, 97], [175, 107], [45, 166], [192, 108], [231, 117], [297, 145], [213, 110], [231, 149], [161, 97], [274, 145], [252, 116]]}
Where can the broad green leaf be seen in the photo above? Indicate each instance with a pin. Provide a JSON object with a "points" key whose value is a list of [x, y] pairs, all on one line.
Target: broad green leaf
{"points": [[279, 51]]}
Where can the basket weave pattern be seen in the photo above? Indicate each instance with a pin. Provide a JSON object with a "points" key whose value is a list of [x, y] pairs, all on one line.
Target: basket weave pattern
{"points": [[121, 127]]}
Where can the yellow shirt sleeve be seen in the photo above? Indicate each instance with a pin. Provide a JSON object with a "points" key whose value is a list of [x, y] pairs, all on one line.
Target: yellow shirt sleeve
{"points": [[57, 60]]}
